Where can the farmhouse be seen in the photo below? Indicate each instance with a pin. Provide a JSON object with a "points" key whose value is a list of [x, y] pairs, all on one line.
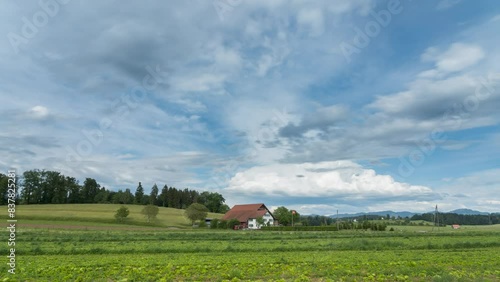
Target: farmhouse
{"points": [[248, 214]]}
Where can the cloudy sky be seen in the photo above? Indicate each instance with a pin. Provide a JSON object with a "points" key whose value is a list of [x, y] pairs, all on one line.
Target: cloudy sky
{"points": [[315, 105]]}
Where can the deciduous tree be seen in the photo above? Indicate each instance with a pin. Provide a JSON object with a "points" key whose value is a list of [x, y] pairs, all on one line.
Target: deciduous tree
{"points": [[89, 190], [150, 212], [260, 221], [213, 201], [284, 216], [121, 213], [196, 212]]}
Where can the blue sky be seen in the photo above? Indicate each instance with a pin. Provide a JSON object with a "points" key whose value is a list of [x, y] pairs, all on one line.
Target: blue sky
{"points": [[315, 105]]}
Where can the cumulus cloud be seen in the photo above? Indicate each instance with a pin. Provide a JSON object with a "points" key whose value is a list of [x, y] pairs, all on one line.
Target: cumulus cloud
{"points": [[458, 57], [338, 180]]}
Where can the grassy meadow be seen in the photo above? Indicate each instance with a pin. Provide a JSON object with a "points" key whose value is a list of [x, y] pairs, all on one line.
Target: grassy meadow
{"points": [[48, 248], [98, 215]]}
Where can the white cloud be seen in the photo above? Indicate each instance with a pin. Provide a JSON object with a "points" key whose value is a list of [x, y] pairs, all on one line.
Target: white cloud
{"points": [[124, 171], [228, 58], [491, 202], [263, 55], [39, 112], [321, 120], [421, 93], [264, 64], [311, 20], [395, 123], [199, 82], [362, 7], [340, 179], [458, 57], [479, 189]]}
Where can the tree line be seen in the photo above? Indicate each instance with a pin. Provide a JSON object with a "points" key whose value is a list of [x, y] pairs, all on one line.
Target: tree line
{"points": [[464, 219], [52, 187]]}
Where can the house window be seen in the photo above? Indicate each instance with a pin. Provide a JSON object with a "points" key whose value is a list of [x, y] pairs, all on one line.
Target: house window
{"points": [[250, 225]]}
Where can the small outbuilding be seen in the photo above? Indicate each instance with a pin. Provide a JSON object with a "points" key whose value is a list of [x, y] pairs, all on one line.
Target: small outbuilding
{"points": [[208, 221], [248, 215]]}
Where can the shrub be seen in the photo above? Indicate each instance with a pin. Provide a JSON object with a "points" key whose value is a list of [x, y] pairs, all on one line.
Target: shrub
{"points": [[222, 224], [150, 212], [214, 224], [122, 213], [232, 223]]}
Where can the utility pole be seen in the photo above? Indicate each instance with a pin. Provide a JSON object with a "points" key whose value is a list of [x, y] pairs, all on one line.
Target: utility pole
{"points": [[338, 220], [436, 218]]}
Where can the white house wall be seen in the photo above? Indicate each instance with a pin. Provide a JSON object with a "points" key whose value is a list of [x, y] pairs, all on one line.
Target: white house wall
{"points": [[268, 218], [252, 222]]}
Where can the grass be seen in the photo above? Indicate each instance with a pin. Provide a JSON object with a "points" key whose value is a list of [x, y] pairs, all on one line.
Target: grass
{"points": [[463, 228], [97, 215], [183, 255], [50, 248]]}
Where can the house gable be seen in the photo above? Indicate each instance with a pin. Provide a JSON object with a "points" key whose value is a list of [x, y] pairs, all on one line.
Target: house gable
{"points": [[247, 214]]}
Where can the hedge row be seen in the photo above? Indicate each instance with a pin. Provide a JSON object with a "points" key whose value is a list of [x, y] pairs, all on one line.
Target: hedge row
{"points": [[364, 226]]}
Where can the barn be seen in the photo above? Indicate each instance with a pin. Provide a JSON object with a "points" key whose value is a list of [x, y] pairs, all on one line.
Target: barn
{"points": [[248, 214]]}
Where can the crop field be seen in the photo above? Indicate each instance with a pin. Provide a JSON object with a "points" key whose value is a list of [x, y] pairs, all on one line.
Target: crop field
{"points": [[205, 255]]}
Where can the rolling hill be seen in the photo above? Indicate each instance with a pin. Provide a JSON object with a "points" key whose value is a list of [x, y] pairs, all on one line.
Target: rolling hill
{"points": [[98, 214]]}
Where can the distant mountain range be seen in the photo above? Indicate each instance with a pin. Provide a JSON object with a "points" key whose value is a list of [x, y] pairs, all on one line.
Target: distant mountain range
{"points": [[379, 213], [468, 212], [404, 214]]}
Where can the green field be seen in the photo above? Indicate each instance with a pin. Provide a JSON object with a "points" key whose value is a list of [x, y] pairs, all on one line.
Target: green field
{"points": [[97, 215], [462, 229], [103, 252], [87, 255]]}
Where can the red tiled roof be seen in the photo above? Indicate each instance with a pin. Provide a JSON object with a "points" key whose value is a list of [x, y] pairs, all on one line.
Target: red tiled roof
{"points": [[244, 212]]}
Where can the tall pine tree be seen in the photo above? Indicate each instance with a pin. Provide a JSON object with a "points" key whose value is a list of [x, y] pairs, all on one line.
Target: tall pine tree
{"points": [[153, 197], [139, 193]]}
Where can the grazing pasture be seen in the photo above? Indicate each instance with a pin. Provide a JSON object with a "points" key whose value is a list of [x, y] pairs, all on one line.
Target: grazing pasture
{"points": [[98, 214], [63, 254]]}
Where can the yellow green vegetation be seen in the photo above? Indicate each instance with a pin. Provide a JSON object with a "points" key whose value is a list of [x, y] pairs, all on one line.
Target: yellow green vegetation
{"points": [[99, 214], [222, 255]]}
